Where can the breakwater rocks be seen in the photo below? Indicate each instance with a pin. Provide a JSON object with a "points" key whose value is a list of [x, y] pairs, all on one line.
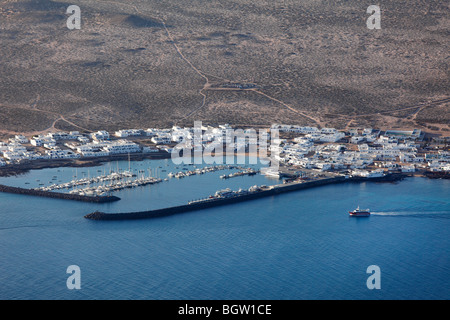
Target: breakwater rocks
{"points": [[437, 175], [57, 195]]}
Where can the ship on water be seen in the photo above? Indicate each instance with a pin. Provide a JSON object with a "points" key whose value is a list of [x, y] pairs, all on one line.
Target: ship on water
{"points": [[359, 212], [228, 193]]}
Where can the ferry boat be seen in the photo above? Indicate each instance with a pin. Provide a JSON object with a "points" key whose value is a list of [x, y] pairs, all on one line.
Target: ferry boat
{"points": [[359, 212]]}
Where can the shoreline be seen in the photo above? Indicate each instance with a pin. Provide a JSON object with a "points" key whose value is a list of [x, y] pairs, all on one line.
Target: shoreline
{"points": [[18, 169], [391, 177]]}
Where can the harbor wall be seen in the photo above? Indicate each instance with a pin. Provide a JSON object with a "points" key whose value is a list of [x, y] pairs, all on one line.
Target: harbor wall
{"points": [[278, 189], [57, 195], [214, 203]]}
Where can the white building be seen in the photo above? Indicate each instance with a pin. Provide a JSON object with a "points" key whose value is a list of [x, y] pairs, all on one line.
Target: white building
{"points": [[100, 135], [16, 147], [61, 135], [179, 134], [409, 168], [13, 156], [328, 131], [357, 139], [91, 150], [50, 144], [162, 139], [149, 149], [122, 146], [83, 139], [335, 137], [57, 153], [128, 133], [37, 141], [20, 139]]}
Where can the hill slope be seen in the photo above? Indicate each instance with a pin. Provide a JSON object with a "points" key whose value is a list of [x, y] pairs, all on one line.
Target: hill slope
{"points": [[147, 63]]}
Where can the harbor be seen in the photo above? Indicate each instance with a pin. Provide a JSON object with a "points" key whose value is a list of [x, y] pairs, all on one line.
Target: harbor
{"points": [[306, 157], [95, 184], [104, 184], [225, 197]]}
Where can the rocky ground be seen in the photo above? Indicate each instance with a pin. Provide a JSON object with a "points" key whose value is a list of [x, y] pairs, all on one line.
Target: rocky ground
{"points": [[139, 64]]}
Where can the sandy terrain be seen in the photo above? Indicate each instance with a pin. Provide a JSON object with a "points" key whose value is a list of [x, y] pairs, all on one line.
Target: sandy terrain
{"points": [[151, 64]]}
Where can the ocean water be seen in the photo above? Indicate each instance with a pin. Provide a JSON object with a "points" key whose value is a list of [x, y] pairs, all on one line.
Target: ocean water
{"points": [[299, 245]]}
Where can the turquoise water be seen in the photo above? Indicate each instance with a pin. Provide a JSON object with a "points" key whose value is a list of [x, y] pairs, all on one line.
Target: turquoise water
{"points": [[300, 245]]}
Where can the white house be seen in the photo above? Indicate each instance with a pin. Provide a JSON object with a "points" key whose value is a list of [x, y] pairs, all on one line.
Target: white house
{"points": [[410, 168], [160, 139], [20, 139], [37, 141], [100, 135], [128, 133], [122, 146]]}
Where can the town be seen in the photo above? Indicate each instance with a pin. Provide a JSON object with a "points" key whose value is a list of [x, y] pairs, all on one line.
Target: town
{"points": [[366, 152]]}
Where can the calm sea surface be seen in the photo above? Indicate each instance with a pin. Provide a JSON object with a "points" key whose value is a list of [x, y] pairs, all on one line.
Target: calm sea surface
{"points": [[300, 245]]}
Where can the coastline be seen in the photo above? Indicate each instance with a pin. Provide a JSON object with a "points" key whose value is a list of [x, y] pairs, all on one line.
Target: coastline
{"points": [[22, 168], [18, 169]]}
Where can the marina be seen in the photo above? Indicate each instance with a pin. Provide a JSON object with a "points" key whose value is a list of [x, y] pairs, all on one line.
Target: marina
{"points": [[87, 181], [187, 173], [104, 184], [110, 178]]}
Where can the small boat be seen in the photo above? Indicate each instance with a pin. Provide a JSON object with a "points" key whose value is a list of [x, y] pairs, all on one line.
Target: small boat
{"points": [[359, 212]]}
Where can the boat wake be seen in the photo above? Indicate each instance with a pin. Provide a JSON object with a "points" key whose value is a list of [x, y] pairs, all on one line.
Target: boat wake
{"points": [[19, 227], [444, 214]]}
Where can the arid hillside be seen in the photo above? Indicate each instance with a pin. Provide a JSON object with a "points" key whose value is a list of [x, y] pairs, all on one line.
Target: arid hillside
{"points": [[152, 63]]}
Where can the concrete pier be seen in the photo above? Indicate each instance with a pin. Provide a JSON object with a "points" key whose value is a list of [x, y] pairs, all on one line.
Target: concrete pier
{"points": [[57, 195], [269, 191]]}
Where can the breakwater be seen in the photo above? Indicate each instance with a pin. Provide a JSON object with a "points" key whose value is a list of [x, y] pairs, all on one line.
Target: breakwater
{"points": [[214, 203], [57, 195], [270, 191]]}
